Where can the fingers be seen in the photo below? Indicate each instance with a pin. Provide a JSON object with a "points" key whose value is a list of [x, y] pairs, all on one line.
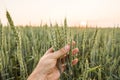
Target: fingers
{"points": [[74, 51], [75, 61], [61, 52]]}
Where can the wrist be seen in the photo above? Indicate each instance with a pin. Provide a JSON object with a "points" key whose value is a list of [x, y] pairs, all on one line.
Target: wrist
{"points": [[36, 75]]}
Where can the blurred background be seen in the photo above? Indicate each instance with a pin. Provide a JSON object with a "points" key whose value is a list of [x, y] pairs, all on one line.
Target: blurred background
{"points": [[103, 13]]}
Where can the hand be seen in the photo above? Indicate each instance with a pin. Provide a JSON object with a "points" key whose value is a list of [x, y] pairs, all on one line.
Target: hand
{"points": [[47, 69]]}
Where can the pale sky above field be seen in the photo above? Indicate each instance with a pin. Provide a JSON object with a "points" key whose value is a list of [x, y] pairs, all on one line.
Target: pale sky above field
{"points": [[77, 12]]}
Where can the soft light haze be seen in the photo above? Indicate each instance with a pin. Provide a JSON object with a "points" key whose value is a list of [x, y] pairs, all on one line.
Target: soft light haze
{"points": [[94, 12]]}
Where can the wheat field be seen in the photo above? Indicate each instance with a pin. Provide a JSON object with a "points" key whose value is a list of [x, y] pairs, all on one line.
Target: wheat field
{"points": [[22, 47]]}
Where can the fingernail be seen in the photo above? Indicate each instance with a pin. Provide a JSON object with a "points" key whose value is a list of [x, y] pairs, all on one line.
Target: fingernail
{"points": [[67, 47]]}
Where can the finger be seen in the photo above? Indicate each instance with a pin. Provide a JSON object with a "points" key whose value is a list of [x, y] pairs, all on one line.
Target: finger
{"points": [[63, 67], [61, 52], [63, 57], [74, 51], [75, 61], [50, 50]]}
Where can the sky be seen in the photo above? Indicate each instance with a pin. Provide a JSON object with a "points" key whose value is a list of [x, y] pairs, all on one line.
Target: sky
{"points": [[78, 12]]}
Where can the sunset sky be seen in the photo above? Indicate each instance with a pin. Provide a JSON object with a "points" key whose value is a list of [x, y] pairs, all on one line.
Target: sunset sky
{"points": [[77, 12]]}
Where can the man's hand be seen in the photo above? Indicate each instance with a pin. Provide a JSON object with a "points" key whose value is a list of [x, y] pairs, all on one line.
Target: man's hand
{"points": [[47, 69]]}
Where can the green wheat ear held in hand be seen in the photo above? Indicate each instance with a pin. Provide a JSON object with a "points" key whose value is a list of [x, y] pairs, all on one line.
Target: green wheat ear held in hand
{"points": [[60, 36]]}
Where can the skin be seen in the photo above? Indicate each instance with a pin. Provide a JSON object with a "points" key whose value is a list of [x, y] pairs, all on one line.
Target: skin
{"points": [[46, 68]]}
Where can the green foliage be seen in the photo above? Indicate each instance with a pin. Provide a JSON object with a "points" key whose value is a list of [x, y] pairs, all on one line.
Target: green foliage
{"points": [[22, 47]]}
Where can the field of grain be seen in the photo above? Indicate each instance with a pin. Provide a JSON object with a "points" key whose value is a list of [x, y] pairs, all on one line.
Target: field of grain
{"points": [[21, 48]]}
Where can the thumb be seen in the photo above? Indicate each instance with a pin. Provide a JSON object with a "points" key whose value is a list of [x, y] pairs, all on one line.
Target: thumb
{"points": [[61, 52]]}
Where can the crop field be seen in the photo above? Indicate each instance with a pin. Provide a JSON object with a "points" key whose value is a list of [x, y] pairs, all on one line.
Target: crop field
{"points": [[21, 48]]}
